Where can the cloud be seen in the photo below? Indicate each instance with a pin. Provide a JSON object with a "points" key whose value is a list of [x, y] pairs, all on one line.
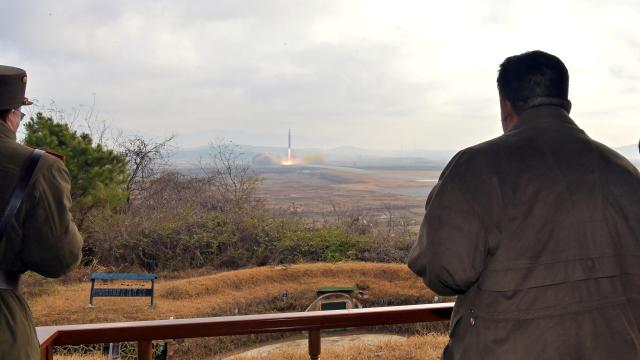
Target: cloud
{"points": [[363, 73]]}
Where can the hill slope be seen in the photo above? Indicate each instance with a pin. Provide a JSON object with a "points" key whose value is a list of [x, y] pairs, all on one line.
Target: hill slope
{"points": [[249, 291]]}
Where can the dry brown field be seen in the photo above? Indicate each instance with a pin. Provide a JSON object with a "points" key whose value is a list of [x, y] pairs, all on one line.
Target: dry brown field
{"points": [[322, 189]]}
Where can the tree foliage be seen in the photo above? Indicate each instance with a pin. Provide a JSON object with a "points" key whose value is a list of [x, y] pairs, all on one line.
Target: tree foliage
{"points": [[98, 174]]}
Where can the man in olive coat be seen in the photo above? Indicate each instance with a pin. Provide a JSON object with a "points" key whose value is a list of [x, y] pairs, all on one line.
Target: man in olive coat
{"points": [[536, 231], [41, 236]]}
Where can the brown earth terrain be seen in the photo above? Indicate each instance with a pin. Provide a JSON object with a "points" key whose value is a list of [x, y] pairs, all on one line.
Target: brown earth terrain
{"points": [[322, 190]]}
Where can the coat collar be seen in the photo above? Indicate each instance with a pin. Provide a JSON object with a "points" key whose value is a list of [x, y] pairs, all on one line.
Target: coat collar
{"points": [[543, 115], [6, 133]]}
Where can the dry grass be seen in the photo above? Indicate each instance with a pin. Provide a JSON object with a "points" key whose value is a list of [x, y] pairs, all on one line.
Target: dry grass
{"points": [[248, 291], [423, 347], [80, 357]]}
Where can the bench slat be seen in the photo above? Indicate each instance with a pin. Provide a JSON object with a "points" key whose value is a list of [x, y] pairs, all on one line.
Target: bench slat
{"points": [[120, 292], [123, 276]]}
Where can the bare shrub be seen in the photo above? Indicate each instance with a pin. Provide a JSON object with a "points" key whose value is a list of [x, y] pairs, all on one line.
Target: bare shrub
{"points": [[234, 182], [146, 160]]}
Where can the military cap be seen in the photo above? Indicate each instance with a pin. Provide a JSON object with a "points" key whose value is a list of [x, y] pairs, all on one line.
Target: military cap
{"points": [[13, 82]]}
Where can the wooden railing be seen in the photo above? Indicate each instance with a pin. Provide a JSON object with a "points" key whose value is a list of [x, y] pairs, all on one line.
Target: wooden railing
{"points": [[144, 332]]}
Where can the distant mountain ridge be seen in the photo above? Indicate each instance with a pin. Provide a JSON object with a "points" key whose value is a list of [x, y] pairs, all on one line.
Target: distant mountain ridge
{"points": [[191, 156], [349, 154]]}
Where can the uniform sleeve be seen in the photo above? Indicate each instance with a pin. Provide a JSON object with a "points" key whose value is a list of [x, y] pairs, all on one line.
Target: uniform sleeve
{"points": [[51, 243], [451, 247]]}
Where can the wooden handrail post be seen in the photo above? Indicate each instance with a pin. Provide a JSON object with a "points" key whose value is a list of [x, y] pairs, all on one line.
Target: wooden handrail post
{"points": [[145, 350], [46, 353], [314, 344]]}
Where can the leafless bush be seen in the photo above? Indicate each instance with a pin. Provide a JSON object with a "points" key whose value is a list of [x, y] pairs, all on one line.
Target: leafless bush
{"points": [[146, 159], [232, 179]]}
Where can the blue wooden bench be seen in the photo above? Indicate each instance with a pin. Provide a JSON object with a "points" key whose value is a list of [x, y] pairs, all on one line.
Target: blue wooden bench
{"points": [[121, 292]]}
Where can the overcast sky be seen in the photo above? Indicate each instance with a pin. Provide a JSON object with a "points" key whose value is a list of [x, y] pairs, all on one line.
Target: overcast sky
{"points": [[375, 74]]}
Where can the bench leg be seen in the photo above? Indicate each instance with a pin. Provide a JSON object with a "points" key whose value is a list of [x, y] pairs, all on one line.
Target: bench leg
{"points": [[93, 285], [153, 286]]}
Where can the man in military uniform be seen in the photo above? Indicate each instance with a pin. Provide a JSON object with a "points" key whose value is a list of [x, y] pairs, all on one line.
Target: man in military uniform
{"points": [[536, 231], [40, 234]]}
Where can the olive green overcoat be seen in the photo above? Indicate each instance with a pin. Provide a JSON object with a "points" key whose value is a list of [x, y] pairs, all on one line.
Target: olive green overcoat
{"points": [[538, 234], [42, 238]]}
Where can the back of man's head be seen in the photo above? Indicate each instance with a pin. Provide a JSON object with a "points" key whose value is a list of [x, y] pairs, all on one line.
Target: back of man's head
{"points": [[534, 74]]}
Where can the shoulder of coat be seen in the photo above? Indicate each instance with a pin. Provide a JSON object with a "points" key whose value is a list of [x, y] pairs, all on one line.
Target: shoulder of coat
{"points": [[55, 154]]}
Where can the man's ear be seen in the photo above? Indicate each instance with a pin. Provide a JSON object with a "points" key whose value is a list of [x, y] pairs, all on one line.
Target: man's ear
{"points": [[507, 115], [505, 107]]}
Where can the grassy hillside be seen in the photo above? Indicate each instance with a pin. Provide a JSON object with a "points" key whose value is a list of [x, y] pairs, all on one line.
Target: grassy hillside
{"points": [[249, 291]]}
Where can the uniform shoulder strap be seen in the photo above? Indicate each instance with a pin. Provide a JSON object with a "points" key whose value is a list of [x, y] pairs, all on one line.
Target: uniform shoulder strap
{"points": [[18, 192]]}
